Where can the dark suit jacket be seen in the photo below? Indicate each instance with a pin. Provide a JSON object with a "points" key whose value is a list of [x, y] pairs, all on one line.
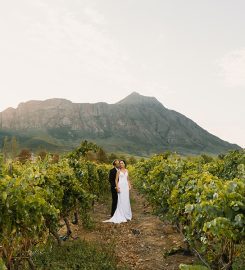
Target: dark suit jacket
{"points": [[112, 177]]}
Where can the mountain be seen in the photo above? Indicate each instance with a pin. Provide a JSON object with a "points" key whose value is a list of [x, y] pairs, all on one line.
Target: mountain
{"points": [[137, 124]]}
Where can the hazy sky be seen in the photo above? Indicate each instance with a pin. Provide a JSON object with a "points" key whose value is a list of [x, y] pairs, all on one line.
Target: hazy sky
{"points": [[189, 54]]}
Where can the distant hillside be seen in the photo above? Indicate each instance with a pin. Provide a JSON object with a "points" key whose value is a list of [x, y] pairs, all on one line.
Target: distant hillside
{"points": [[137, 125]]}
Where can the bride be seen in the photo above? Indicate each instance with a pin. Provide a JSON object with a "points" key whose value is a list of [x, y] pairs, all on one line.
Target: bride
{"points": [[123, 212]]}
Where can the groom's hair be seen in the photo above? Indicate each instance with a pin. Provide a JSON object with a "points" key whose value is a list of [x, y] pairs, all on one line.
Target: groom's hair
{"points": [[114, 162]]}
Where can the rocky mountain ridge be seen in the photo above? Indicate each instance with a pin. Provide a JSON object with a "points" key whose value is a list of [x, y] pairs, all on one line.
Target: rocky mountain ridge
{"points": [[137, 124]]}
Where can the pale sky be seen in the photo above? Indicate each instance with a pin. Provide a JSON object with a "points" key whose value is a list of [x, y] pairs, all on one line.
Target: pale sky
{"points": [[189, 54]]}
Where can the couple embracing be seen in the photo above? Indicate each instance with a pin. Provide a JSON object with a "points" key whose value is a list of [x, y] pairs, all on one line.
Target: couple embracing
{"points": [[120, 186]]}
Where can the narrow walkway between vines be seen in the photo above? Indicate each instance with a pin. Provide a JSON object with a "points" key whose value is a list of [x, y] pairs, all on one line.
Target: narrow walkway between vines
{"points": [[141, 243]]}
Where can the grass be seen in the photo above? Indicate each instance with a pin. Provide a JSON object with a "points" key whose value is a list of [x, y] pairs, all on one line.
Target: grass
{"points": [[75, 255], [239, 263]]}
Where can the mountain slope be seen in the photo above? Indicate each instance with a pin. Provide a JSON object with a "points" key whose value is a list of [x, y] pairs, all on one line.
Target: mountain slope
{"points": [[137, 124]]}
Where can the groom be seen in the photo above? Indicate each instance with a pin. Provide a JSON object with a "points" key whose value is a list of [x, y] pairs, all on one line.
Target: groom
{"points": [[112, 177]]}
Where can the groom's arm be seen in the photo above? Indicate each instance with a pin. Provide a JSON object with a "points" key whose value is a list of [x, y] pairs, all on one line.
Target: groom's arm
{"points": [[116, 182], [112, 177]]}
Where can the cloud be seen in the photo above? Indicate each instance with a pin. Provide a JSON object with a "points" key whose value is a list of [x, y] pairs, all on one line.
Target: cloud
{"points": [[77, 32], [233, 68], [60, 48], [55, 45]]}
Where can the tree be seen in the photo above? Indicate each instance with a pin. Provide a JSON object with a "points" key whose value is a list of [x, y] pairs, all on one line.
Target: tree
{"points": [[5, 148], [102, 156], [24, 155], [55, 158], [14, 147], [91, 156], [42, 154], [112, 157], [1, 165], [83, 149], [132, 160]]}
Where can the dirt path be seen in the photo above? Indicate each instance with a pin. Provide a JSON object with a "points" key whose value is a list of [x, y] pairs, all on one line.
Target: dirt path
{"points": [[140, 243]]}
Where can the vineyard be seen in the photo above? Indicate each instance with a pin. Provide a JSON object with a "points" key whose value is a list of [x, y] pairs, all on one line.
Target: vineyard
{"points": [[36, 195], [203, 196]]}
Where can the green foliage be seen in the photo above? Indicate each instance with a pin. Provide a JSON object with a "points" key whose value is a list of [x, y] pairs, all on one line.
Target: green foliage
{"points": [[156, 178], [38, 193], [132, 160], [2, 265], [1, 165], [75, 255], [103, 183], [229, 166], [192, 267], [83, 149], [240, 260], [204, 196]]}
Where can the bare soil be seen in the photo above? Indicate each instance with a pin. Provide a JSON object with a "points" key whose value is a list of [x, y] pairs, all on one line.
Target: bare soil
{"points": [[141, 243]]}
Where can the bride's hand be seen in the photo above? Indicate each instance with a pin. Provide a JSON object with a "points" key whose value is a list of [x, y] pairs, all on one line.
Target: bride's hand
{"points": [[118, 189]]}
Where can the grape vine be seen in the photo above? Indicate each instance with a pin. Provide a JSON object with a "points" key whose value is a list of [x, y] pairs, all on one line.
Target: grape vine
{"points": [[36, 195], [204, 197]]}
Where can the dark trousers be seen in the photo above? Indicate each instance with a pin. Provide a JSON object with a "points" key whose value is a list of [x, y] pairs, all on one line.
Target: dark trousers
{"points": [[114, 200]]}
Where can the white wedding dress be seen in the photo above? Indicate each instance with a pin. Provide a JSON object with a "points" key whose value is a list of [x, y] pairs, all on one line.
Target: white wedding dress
{"points": [[123, 212]]}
